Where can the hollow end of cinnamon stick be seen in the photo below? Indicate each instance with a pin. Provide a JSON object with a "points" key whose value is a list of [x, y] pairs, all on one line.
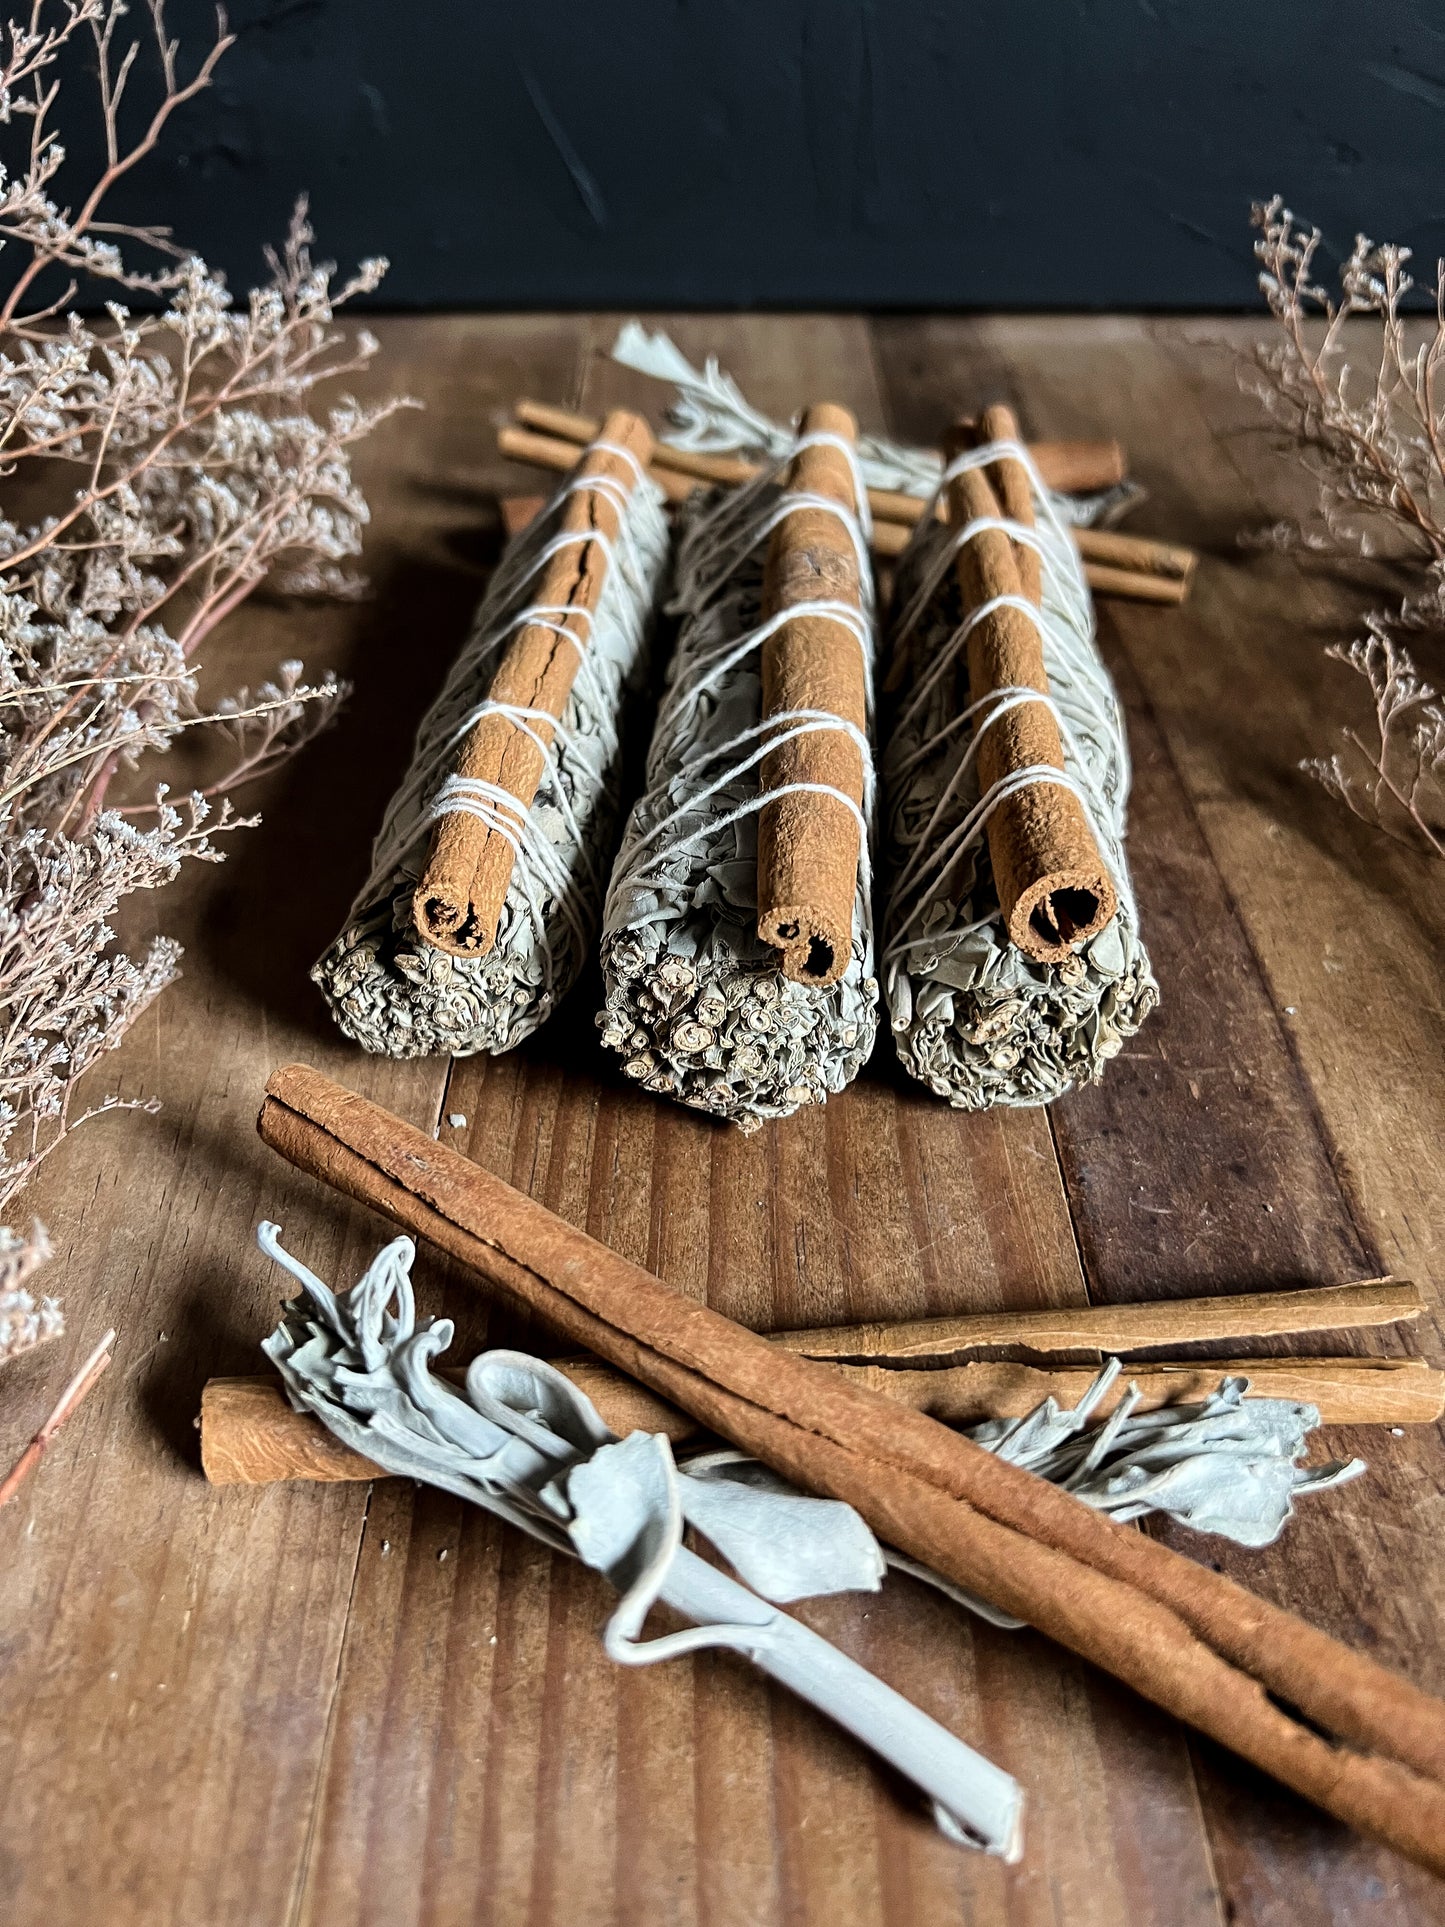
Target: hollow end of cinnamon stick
{"points": [[443, 915], [1053, 916], [815, 950]]}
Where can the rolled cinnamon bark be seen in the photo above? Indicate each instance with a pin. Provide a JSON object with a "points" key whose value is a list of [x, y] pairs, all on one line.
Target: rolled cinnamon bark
{"points": [[547, 451], [1127, 553], [1121, 1328], [1054, 887], [469, 867], [1132, 567], [1344, 1391], [251, 1436], [1356, 1738], [1132, 584], [1074, 468], [808, 842]]}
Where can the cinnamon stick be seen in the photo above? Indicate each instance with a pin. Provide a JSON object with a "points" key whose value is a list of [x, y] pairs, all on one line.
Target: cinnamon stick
{"points": [[1152, 575], [1134, 585], [1345, 1732], [1073, 468], [251, 1436], [808, 843], [547, 451], [1054, 888], [1345, 1391], [464, 884], [890, 539], [1130, 554], [1121, 1328]]}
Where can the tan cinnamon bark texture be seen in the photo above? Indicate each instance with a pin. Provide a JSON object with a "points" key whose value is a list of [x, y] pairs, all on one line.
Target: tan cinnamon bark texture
{"points": [[1071, 467], [1133, 567], [1357, 1739], [251, 1436], [1122, 1328], [459, 898], [808, 843], [1054, 888]]}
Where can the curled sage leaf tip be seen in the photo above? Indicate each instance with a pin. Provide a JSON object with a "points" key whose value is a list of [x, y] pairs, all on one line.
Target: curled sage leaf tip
{"points": [[522, 1441]]}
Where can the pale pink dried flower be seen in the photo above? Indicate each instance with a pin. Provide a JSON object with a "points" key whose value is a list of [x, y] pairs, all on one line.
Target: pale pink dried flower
{"points": [[180, 460], [1374, 439]]}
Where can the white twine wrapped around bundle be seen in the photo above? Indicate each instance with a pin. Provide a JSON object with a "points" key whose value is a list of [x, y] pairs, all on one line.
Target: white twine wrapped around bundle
{"points": [[973, 1018], [696, 1001], [389, 989]]}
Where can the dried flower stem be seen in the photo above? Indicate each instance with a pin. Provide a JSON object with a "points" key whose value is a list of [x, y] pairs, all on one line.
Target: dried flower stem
{"points": [[79, 1388]]}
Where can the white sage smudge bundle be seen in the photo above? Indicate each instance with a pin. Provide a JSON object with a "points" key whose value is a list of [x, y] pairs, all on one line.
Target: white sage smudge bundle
{"points": [[698, 1003], [389, 988], [974, 1017], [522, 1441]]}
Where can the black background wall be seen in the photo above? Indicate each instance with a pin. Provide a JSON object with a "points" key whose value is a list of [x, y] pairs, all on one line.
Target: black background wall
{"points": [[1082, 153]]}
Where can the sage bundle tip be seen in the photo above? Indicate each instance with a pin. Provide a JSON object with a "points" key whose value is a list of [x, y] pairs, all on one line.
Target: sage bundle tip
{"points": [[521, 1440]]}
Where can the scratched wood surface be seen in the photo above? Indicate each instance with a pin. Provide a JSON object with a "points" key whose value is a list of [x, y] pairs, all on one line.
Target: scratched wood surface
{"points": [[334, 1706]]}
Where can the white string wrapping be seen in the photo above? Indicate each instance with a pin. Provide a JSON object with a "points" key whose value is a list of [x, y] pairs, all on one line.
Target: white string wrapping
{"points": [[387, 988], [973, 1018], [696, 1003]]}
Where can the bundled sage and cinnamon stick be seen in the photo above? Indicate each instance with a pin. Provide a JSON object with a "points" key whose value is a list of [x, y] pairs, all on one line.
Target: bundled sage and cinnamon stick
{"points": [[737, 947], [487, 874], [1012, 963], [1329, 1722]]}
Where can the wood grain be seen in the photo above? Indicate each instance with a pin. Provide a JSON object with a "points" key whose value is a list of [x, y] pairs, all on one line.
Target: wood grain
{"points": [[1244, 1168], [309, 1720], [170, 1663]]}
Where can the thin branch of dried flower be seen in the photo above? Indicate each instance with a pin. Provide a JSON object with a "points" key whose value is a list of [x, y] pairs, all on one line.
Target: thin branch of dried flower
{"points": [[79, 1389], [1373, 437], [170, 462], [1396, 781]]}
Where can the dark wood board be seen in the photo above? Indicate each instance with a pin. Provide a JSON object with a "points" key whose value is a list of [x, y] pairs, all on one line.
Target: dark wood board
{"points": [[329, 1706]]}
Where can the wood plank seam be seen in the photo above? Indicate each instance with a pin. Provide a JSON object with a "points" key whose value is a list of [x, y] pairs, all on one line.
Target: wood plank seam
{"points": [[301, 1884]]}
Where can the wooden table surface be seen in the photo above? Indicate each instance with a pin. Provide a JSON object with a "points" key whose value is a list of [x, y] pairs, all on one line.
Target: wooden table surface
{"points": [[337, 1704]]}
